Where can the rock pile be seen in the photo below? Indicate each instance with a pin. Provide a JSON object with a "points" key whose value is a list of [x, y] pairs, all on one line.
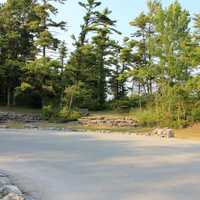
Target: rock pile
{"points": [[8, 191], [164, 132], [11, 116], [108, 122]]}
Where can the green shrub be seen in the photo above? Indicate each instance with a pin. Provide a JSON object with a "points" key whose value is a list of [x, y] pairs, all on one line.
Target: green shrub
{"points": [[146, 117], [48, 112], [196, 114], [134, 101], [120, 104], [150, 118], [178, 124], [65, 115], [25, 96]]}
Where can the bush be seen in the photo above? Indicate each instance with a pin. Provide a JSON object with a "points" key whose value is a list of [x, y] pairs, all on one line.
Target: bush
{"points": [[65, 115], [135, 101], [146, 117], [79, 96], [150, 118], [120, 104], [196, 114], [48, 112], [25, 96]]}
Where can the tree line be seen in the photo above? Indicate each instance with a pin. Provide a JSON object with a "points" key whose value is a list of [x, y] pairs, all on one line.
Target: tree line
{"points": [[155, 69]]}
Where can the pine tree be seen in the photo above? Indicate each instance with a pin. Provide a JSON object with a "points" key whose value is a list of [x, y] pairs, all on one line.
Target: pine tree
{"points": [[143, 71], [102, 42], [44, 22], [63, 55], [79, 57], [118, 68]]}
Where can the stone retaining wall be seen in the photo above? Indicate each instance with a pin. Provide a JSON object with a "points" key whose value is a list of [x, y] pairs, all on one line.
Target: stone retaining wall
{"points": [[109, 122], [11, 116]]}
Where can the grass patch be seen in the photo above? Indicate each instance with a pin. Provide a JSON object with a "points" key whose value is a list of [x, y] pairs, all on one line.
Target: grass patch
{"points": [[192, 132], [15, 125]]}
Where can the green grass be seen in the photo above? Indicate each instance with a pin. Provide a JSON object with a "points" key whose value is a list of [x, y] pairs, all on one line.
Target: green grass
{"points": [[15, 125]]}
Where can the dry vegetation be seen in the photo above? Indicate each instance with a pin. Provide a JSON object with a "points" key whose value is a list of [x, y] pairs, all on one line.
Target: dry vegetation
{"points": [[192, 132]]}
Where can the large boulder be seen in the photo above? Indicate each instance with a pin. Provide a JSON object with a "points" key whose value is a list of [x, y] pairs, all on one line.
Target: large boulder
{"points": [[9, 189], [164, 132], [13, 196], [4, 181]]}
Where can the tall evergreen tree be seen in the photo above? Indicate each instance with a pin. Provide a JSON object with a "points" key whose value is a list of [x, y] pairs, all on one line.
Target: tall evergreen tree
{"points": [[79, 58], [103, 43], [44, 21], [143, 71], [16, 43]]}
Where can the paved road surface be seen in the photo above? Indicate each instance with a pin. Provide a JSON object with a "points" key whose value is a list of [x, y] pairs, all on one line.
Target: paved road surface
{"points": [[77, 166]]}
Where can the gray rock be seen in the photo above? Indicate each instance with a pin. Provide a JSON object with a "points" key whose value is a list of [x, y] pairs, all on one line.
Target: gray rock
{"points": [[4, 181], [3, 174], [169, 133], [30, 126], [165, 132], [28, 198], [11, 116], [7, 189], [107, 121], [3, 126], [12, 196]]}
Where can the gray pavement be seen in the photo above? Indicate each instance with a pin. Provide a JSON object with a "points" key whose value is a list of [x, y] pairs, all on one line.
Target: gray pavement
{"points": [[77, 166]]}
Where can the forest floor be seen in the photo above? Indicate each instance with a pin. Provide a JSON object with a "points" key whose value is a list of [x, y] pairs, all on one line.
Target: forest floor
{"points": [[192, 132]]}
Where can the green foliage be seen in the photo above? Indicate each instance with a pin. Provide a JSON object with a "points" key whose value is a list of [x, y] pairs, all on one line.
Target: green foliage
{"points": [[25, 86], [146, 117], [78, 96], [48, 112], [196, 113], [159, 63], [128, 103], [120, 104], [62, 115], [65, 115], [25, 96]]}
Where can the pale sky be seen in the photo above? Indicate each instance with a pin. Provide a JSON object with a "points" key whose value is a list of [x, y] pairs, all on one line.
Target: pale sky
{"points": [[123, 12]]}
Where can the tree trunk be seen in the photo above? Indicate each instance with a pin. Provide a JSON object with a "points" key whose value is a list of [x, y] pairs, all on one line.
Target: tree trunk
{"points": [[70, 103], [8, 96], [13, 98], [44, 52]]}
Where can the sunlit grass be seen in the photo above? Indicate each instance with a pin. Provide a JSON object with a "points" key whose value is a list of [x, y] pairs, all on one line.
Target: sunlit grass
{"points": [[192, 132]]}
